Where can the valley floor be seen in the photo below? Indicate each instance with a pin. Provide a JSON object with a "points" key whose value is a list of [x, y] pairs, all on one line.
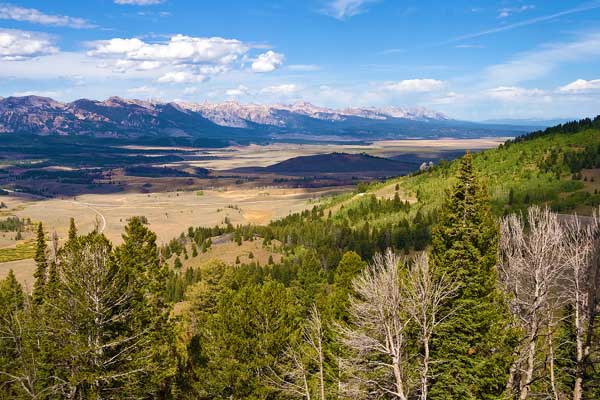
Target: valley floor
{"points": [[168, 213]]}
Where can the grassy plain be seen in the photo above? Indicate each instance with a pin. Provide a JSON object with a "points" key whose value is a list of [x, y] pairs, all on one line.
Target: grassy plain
{"points": [[264, 155], [170, 210]]}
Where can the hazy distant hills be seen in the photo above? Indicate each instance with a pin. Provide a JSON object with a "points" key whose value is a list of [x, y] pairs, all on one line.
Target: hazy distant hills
{"points": [[230, 122], [532, 122]]}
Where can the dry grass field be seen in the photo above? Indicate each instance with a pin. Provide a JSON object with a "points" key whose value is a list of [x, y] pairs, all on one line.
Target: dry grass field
{"points": [[171, 211], [227, 251], [168, 215], [262, 156], [23, 270]]}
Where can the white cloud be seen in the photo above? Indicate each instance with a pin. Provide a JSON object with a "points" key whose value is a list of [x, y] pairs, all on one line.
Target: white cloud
{"points": [[508, 11], [237, 92], [180, 77], [180, 49], [527, 22], [21, 45], [190, 90], [16, 13], [285, 89], [142, 90], [508, 93], [267, 62], [116, 46], [539, 63], [448, 98], [343, 9], [176, 60], [139, 2], [469, 46], [387, 52], [581, 86], [414, 85]]}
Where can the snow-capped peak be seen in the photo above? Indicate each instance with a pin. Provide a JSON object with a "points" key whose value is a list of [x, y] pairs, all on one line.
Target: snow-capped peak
{"points": [[232, 113]]}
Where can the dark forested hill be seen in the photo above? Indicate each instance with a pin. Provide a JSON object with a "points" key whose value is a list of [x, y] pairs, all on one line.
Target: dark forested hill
{"points": [[335, 163]]}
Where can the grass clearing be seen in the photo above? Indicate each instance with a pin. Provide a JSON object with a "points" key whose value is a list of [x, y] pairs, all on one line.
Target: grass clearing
{"points": [[21, 251]]}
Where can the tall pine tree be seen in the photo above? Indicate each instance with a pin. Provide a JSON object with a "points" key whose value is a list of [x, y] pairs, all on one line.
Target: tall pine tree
{"points": [[72, 229], [41, 266], [473, 348], [139, 257]]}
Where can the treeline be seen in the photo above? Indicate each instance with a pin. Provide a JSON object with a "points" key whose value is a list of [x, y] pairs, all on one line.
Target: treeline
{"points": [[329, 236], [566, 128], [14, 224]]}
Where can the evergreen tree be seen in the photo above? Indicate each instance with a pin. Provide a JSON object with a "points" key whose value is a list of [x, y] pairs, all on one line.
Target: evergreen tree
{"points": [[348, 268], [23, 374], [247, 331], [473, 348], [177, 264], [12, 296], [41, 266], [566, 351], [72, 229], [51, 289], [139, 257]]}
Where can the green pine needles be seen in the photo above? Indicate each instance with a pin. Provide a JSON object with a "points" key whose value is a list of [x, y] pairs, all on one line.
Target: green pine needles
{"points": [[473, 347]]}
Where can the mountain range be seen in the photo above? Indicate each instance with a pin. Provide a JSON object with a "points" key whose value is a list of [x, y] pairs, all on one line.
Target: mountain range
{"points": [[230, 122]]}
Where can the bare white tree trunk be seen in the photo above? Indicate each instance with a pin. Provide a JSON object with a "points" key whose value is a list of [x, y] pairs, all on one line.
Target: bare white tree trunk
{"points": [[388, 302], [313, 336], [551, 355], [377, 336], [531, 269], [582, 287]]}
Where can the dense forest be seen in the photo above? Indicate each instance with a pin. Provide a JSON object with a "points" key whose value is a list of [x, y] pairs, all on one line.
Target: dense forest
{"points": [[479, 289]]}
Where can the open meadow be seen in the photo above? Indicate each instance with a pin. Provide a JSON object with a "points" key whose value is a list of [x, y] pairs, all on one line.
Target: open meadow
{"points": [[168, 213], [172, 204], [264, 155]]}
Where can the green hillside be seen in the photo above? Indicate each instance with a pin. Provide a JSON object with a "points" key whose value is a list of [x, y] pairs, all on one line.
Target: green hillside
{"points": [[547, 169], [554, 167]]}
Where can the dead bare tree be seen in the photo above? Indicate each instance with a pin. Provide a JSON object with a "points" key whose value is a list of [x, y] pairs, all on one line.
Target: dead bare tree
{"points": [[582, 287], [425, 297], [531, 268], [378, 334]]}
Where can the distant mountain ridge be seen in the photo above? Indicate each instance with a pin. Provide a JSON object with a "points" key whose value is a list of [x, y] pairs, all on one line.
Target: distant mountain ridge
{"points": [[230, 122], [234, 114]]}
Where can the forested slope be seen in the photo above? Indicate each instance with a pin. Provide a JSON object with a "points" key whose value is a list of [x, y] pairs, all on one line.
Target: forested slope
{"points": [[541, 167]]}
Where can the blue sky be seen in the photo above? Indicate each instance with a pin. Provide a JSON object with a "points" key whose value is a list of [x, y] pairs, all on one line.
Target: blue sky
{"points": [[473, 60]]}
